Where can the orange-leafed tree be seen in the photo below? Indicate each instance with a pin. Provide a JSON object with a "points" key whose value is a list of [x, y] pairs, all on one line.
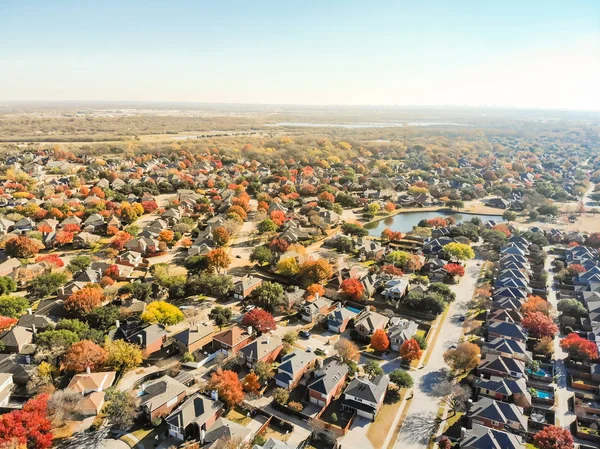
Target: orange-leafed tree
{"points": [[390, 207], [112, 271], [251, 383], [536, 304], [221, 236], [51, 259], [218, 260], [313, 290], [84, 300], [22, 247], [552, 437], [120, 240], [580, 349], [84, 354], [7, 322], [347, 350], [574, 269], [391, 270], [278, 217], [72, 227], [464, 357], [410, 350], [228, 386], [166, 236], [315, 271], [380, 340], [239, 211], [353, 288], [44, 228], [112, 230], [64, 238]]}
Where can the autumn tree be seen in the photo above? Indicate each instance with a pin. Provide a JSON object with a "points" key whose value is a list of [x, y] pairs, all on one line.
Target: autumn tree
{"points": [[22, 247], [84, 354], [166, 235], [259, 319], [545, 346], [120, 408], [288, 267], [64, 238], [163, 313], [267, 226], [228, 386], [539, 325], [53, 260], [279, 246], [120, 240], [579, 349], [380, 340], [410, 350], [28, 427], [315, 271], [464, 357], [268, 295], [84, 300], [221, 236], [459, 251], [122, 355], [553, 437], [353, 288], [251, 383], [536, 304], [347, 350], [218, 260], [454, 269], [313, 290]]}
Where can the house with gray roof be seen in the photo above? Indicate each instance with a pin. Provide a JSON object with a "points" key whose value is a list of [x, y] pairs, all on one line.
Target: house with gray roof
{"points": [[480, 437], [328, 382], [498, 415], [338, 319], [365, 396], [506, 390], [292, 368], [160, 397], [196, 415], [367, 322], [400, 330], [264, 349]]}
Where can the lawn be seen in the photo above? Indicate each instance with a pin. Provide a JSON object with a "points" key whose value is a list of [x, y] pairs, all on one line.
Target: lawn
{"points": [[382, 425], [342, 416], [275, 432], [237, 416]]}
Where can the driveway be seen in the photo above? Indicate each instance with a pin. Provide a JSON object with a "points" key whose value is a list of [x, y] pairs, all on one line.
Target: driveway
{"points": [[420, 422], [356, 438]]}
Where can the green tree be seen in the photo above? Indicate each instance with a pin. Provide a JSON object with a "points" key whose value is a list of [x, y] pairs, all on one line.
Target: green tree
{"points": [[262, 255], [46, 284], [103, 318], [212, 284], [79, 264], [373, 368], [81, 328], [268, 295], [7, 285], [401, 378], [267, 225], [139, 290], [120, 408], [220, 315], [13, 306], [52, 339], [509, 215]]}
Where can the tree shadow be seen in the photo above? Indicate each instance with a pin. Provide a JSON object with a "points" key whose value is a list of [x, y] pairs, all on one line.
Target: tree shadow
{"points": [[419, 428], [431, 379]]}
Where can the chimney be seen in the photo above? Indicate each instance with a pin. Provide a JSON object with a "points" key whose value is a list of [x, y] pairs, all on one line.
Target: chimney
{"points": [[463, 433], [117, 323], [29, 311], [469, 404], [316, 296], [506, 319], [202, 436], [249, 330], [88, 370], [33, 329]]}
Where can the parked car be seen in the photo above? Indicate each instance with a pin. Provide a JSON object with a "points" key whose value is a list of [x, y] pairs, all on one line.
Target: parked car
{"points": [[304, 333], [249, 307]]}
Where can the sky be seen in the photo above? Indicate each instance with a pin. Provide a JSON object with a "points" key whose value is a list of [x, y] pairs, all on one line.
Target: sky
{"points": [[526, 53]]}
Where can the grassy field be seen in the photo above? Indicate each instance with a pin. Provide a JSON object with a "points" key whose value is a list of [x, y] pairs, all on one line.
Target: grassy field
{"points": [[378, 431]]}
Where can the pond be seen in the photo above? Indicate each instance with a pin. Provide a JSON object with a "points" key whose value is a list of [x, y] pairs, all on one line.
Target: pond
{"points": [[404, 222]]}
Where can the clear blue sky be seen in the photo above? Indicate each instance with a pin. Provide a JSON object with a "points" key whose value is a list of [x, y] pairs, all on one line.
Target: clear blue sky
{"points": [[528, 53]]}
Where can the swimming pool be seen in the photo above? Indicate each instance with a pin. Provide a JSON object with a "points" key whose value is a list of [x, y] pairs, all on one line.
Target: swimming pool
{"points": [[544, 394], [540, 372], [352, 309]]}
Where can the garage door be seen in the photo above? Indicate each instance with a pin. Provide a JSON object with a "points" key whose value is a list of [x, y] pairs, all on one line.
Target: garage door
{"points": [[364, 414]]}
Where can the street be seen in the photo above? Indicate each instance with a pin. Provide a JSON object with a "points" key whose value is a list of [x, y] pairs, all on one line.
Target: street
{"points": [[420, 422]]}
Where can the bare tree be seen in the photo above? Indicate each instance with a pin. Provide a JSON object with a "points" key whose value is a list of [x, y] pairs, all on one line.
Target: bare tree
{"points": [[62, 406], [455, 396]]}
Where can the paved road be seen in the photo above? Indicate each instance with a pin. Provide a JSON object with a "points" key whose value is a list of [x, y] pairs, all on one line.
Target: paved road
{"points": [[420, 420]]}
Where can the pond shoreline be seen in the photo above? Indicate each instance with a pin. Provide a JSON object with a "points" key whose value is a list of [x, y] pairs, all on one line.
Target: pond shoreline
{"points": [[413, 210]]}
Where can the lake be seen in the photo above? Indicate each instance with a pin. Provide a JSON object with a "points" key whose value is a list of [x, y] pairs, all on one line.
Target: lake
{"points": [[404, 222]]}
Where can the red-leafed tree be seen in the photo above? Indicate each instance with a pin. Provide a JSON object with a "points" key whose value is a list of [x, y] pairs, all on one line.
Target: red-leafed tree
{"points": [[51, 259], [391, 270], [64, 237], [259, 319], [84, 354], [112, 271], [279, 246], [278, 217], [539, 325], [572, 245], [228, 386], [353, 288], [149, 206], [120, 240], [410, 350], [503, 229], [574, 269], [536, 304], [454, 269], [552, 437], [380, 340], [84, 300], [29, 427], [580, 349], [44, 228], [391, 236], [437, 222], [7, 322]]}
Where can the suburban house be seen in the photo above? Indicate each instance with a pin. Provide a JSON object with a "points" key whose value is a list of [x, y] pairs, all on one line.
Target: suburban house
{"points": [[224, 430], [292, 368], [338, 320], [160, 397], [505, 390], [150, 338], [244, 286], [315, 309], [266, 348], [395, 289], [6, 387], [400, 330], [498, 415], [17, 340], [195, 416], [232, 339], [194, 338], [366, 396], [511, 331], [496, 365], [86, 383], [367, 322], [508, 348], [480, 437], [328, 382]]}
